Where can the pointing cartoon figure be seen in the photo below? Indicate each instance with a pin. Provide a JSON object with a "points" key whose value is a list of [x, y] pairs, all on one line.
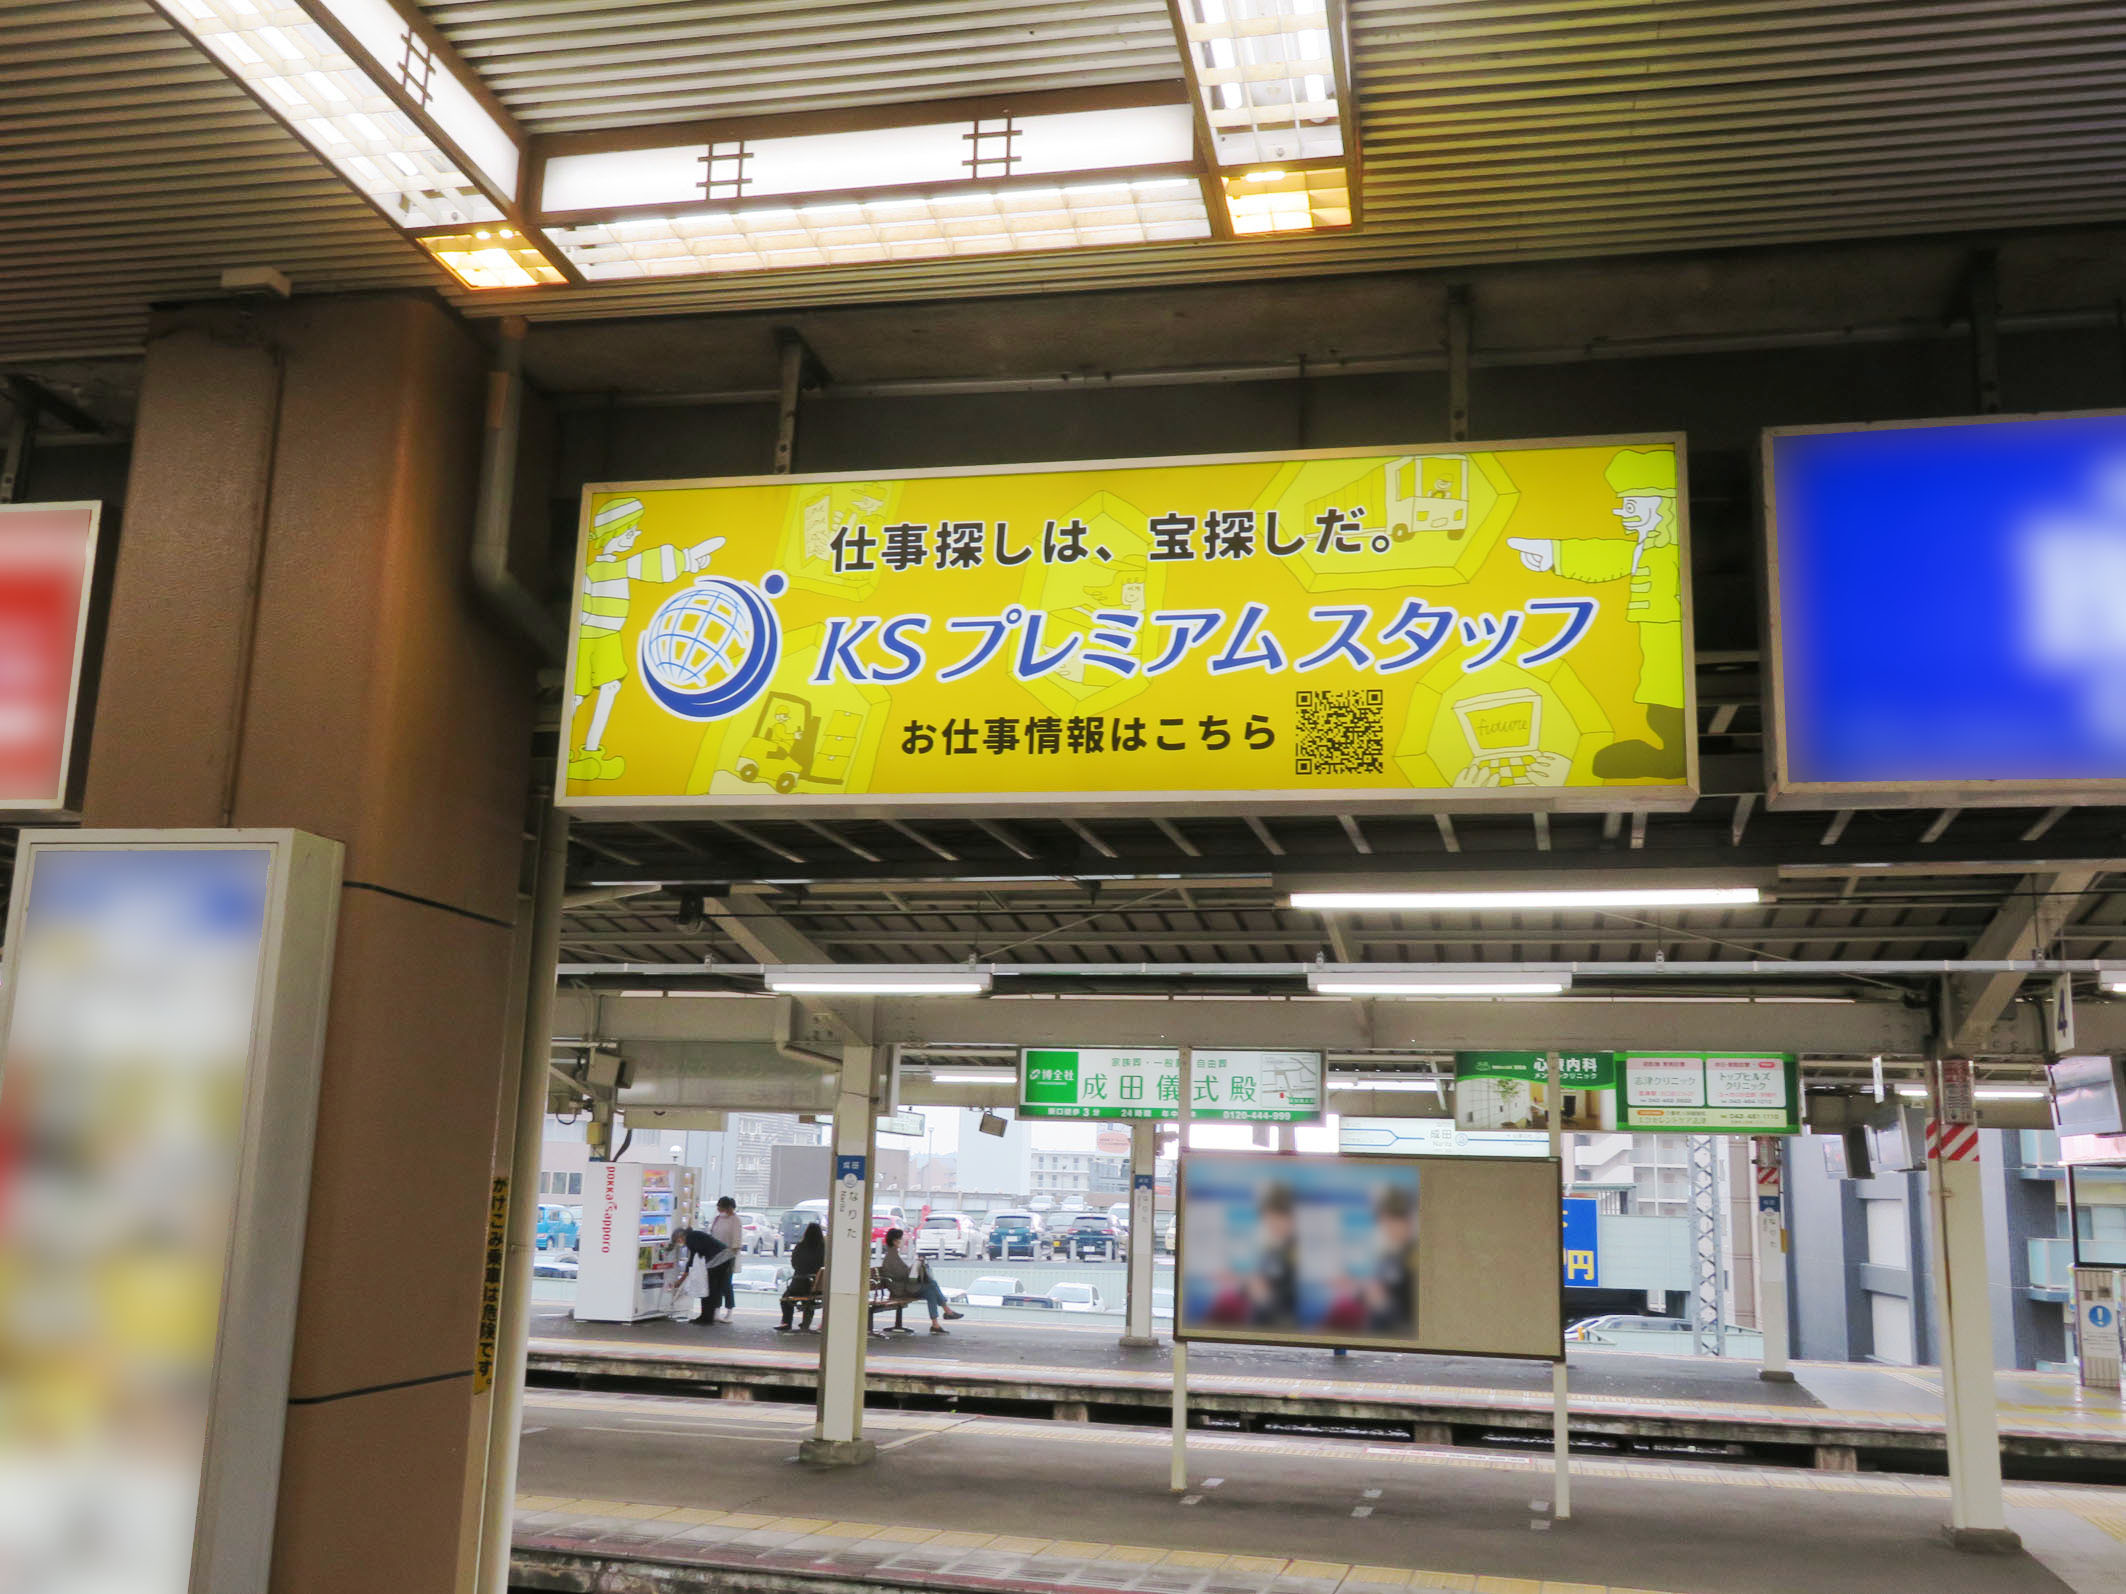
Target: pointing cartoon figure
{"points": [[608, 586], [1645, 484]]}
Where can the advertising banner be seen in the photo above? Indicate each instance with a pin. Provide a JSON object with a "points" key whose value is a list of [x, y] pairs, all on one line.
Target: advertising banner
{"points": [[47, 560], [1121, 1082], [1582, 1234], [1511, 1090], [1948, 611], [1710, 1092], [1454, 1254], [1506, 622]]}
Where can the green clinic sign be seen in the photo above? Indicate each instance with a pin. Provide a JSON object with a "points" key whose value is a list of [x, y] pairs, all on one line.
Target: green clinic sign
{"points": [[1121, 1082], [1710, 1092]]}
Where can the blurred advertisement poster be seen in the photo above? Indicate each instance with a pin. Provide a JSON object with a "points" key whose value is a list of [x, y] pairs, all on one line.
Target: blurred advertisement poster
{"points": [[135, 976], [1298, 1250], [47, 555]]}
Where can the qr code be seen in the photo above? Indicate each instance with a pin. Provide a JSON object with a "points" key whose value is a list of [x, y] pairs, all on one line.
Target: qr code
{"points": [[1340, 733]]}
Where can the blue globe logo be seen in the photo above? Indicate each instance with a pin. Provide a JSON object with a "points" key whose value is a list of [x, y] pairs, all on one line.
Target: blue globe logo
{"points": [[710, 650]]}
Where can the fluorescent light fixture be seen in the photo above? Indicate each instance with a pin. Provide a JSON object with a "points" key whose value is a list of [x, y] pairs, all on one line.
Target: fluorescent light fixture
{"points": [[491, 257], [985, 220], [1388, 981], [2112, 978], [1266, 74], [811, 164], [887, 979], [1360, 1082], [1518, 901], [972, 1076], [2010, 1092], [336, 99], [1305, 201]]}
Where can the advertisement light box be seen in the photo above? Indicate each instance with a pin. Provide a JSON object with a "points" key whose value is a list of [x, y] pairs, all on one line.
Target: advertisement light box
{"points": [[1506, 622], [1947, 606]]}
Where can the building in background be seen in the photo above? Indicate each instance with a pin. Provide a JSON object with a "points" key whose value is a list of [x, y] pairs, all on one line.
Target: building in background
{"points": [[1059, 1175]]}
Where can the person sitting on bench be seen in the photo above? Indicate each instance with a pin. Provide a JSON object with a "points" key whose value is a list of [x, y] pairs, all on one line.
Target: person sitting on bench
{"points": [[911, 1281], [807, 1259]]}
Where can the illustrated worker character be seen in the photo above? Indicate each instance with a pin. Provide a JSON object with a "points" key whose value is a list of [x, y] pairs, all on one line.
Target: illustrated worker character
{"points": [[1645, 484], [601, 659]]}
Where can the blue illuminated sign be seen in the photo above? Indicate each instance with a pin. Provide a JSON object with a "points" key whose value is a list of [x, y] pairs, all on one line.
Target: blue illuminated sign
{"points": [[1950, 602], [1583, 1244]]}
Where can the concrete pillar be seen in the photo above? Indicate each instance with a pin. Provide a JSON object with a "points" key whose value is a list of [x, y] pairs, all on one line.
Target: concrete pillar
{"points": [[1137, 1327], [838, 1431], [1977, 1519], [1770, 1159], [292, 642]]}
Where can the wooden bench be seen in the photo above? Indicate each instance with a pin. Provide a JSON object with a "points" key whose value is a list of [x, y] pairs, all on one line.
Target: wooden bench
{"points": [[882, 1300]]}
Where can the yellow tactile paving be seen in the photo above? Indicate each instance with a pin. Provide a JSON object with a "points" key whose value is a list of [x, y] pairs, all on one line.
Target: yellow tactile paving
{"points": [[1320, 1571], [1202, 1560], [746, 1521], [1271, 1564], [1509, 1585], [905, 1535], [1079, 1549], [1379, 1577], [798, 1524], [1010, 1546], [961, 1541], [1453, 1580], [696, 1517], [1140, 1554], [847, 1530]]}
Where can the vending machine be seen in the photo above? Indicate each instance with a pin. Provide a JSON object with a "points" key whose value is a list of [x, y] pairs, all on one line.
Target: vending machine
{"points": [[624, 1273]]}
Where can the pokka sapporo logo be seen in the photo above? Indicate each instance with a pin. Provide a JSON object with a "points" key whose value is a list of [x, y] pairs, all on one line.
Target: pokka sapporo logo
{"points": [[711, 650]]}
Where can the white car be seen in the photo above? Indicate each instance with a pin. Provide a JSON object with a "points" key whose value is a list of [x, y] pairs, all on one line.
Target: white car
{"points": [[946, 1234], [1077, 1298], [991, 1288], [758, 1235]]}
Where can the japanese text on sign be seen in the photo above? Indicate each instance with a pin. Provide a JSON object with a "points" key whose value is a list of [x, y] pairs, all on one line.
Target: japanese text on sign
{"points": [[1224, 1086], [1495, 621]]}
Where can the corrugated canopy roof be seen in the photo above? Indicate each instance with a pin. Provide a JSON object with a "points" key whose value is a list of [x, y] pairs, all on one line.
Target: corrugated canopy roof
{"points": [[131, 170]]}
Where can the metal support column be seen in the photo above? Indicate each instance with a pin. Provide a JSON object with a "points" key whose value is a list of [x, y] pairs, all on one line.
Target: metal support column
{"points": [[21, 438], [1458, 363], [1708, 1317], [1178, 1481], [791, 348], [1770, 1165], [1137, 1328], [1977, 1511], [1560, 1412], [838, 1431], [1984, 309]]}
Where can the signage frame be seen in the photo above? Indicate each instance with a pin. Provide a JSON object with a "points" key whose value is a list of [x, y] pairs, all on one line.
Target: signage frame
{"points": [[1041, 1111], [1235, 803], [1790, 1075], [64, 799], [1415, 1345], [1781, 789]]}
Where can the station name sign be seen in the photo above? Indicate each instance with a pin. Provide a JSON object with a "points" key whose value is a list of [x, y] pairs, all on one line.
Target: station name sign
{"points": [[1506, 622]]}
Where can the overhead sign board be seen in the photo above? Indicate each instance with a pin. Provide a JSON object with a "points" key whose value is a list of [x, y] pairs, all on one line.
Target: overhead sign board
{"points": [[1506, 622], [1444, 1254], [1124, 1082], [1710, 1092], [1435, 1137], [1511, 1090], [1948, 611], [47, 562]]}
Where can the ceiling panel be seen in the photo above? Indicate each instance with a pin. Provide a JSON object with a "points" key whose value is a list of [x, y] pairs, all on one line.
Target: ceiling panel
{"points": [[130, 171]]}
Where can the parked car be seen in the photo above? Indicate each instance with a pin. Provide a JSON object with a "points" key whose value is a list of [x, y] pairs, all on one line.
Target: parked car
{"points": [[1015, 1234], [1595, 1330], [1077, 1298], [559, 1227], [758, 1235], [991, 1289], [760, 1278], [946, 1234], [554, 1265], [1168, 1234], [1094, 1234], [794, 1221]]}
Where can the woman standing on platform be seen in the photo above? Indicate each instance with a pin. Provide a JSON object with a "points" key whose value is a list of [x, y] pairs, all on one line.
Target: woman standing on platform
{"points": [[726, 1227]]}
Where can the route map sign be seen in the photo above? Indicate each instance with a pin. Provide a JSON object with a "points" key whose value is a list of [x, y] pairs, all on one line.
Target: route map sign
{"points": [[1272, 1087]]}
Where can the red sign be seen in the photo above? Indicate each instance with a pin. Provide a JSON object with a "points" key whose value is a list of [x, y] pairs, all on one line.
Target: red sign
{"points": [[47, 556]]}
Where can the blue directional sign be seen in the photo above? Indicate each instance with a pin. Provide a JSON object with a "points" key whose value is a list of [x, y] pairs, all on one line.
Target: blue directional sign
{"points": [[1583, 1244]]}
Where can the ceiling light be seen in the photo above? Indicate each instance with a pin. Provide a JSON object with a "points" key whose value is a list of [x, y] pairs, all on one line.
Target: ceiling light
{"points": [[1515, 901], [1269, 174], [1360, 1082], [844, 979], [2112, 978], [1358, 980], [491, 264], [1277, 201], [990, 1076], [2009, 1093], [1266, 75]]}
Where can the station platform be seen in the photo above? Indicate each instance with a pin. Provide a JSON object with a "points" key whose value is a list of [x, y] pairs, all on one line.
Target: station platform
{"points": [[644, 1492], [1834, 1416]]}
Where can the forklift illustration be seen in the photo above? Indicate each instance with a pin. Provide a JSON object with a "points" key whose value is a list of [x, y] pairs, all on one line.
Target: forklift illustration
{"points": [[789, 745]]}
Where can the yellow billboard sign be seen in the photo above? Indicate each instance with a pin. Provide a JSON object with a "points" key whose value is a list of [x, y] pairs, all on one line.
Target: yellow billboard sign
{"points": [[1501, 623]]}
